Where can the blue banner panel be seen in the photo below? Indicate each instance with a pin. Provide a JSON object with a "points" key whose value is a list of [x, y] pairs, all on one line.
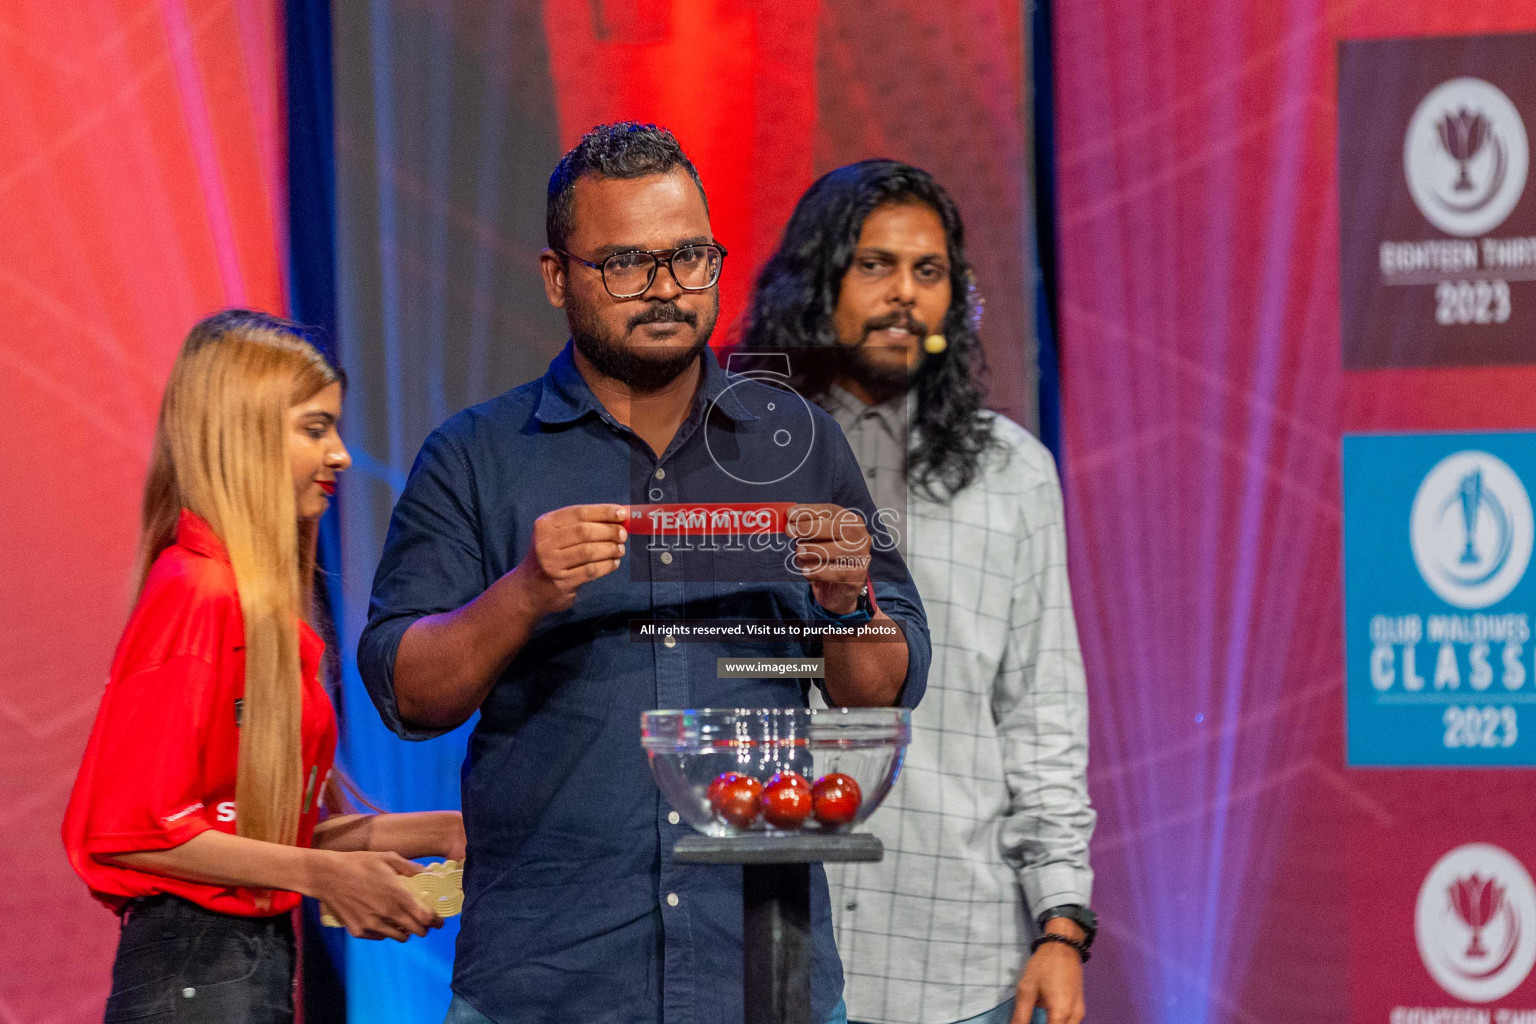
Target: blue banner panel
{"points": [[1438, 533]]}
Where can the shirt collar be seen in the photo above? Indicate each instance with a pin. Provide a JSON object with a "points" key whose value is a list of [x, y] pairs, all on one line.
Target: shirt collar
{"points": [[567, 398], [195, 535], [896, 414]]}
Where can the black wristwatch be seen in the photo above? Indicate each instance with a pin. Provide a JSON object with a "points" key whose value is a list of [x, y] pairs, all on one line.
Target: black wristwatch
{"points": [[1081, 916]]}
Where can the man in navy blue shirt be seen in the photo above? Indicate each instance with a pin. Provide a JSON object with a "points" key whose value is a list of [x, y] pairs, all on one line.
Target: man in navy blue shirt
{"points": [[509, 584]]}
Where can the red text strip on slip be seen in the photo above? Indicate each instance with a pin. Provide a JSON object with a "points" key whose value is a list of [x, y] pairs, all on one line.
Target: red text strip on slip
{"points": [[693, 520]]}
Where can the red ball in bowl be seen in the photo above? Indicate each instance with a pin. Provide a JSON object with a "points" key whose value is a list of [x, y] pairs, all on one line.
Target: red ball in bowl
{"points": [[835, 799], [736, 799], [787, 800]]}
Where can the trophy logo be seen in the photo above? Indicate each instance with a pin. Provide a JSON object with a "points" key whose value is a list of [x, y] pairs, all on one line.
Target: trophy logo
{"points": [[1478, 901], [1471, 529], [1464, 134], [1466, 156], [1471, 503], [1475, 923]]}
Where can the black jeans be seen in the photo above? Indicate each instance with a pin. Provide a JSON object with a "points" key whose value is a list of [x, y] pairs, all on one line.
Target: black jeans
{"points": [[178, 963]]}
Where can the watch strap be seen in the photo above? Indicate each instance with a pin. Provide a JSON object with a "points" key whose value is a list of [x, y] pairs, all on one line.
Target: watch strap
{"points": [[1081, 947], [1079, 915], [862, 612]]}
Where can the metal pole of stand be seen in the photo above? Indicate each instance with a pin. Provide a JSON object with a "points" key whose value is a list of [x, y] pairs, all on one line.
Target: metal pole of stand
{"points": [[776, 940], [776, 911]]}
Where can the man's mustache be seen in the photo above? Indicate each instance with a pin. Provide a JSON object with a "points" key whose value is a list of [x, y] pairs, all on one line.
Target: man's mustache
{"points": [[895, 318], [664, 313]]}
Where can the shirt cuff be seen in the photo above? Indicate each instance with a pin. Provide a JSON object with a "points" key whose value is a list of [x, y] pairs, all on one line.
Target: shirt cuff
{"points": [[919, 654], [1055, 885], [376, 664]]}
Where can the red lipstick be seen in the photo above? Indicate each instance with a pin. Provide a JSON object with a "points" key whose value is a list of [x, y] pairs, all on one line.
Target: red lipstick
{"points": [[328, 486]]}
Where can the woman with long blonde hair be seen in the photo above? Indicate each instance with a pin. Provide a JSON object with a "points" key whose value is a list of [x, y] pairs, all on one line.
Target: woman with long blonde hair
{"points": [[197, 811]]}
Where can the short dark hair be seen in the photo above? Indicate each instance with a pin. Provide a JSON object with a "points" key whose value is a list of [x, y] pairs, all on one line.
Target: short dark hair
{"points": [[623, 149]]}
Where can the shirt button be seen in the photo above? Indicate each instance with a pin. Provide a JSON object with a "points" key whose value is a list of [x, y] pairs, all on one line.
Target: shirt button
{"points": [[672, 899], [661, 474], [188, 993], [853, 904], [656, 494], [673, 818], [669, 640], [666, 558]]}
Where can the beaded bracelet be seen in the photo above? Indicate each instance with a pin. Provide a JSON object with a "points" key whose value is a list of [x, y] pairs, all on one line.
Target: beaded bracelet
{"points": [[1082, 950]]}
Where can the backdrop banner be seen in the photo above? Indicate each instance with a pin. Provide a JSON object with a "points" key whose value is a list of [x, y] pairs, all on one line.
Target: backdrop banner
{"points": [[1438, 599], [1437, 226], [1279, 224], [142, 187], [1437, 263], [1444, 911]]}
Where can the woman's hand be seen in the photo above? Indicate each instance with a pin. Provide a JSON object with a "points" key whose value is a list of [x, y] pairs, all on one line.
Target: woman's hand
{"points": [[362, 890]]}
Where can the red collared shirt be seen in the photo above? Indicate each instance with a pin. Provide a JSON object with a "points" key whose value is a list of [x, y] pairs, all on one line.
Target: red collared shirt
{"points": [[160, 765]]}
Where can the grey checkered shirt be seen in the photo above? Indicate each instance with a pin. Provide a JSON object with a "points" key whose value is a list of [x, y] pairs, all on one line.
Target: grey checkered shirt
{"points": [[990, 816]]}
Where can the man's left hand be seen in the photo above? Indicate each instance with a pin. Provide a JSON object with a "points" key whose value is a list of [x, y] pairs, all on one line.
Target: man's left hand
{"points": [[1053, 980], [832, 550]]}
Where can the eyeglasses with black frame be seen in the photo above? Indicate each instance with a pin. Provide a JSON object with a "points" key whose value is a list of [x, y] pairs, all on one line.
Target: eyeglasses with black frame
{"points": [[695, 268]]}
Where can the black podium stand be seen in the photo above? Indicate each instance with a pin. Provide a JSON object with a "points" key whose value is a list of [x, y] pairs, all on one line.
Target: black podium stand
{"points": [[776, 911]]}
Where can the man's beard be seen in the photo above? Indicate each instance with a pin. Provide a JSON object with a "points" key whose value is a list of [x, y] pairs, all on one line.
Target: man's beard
{"points": [[877, 376], [650, 370]]}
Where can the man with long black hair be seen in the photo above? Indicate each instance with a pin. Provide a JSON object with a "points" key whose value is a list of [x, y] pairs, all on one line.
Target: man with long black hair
{"points": [[987, 831]]}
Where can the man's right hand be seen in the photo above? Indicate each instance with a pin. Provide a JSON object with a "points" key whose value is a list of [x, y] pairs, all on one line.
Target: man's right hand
{"points": [[571, 546], [447, 663]]}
